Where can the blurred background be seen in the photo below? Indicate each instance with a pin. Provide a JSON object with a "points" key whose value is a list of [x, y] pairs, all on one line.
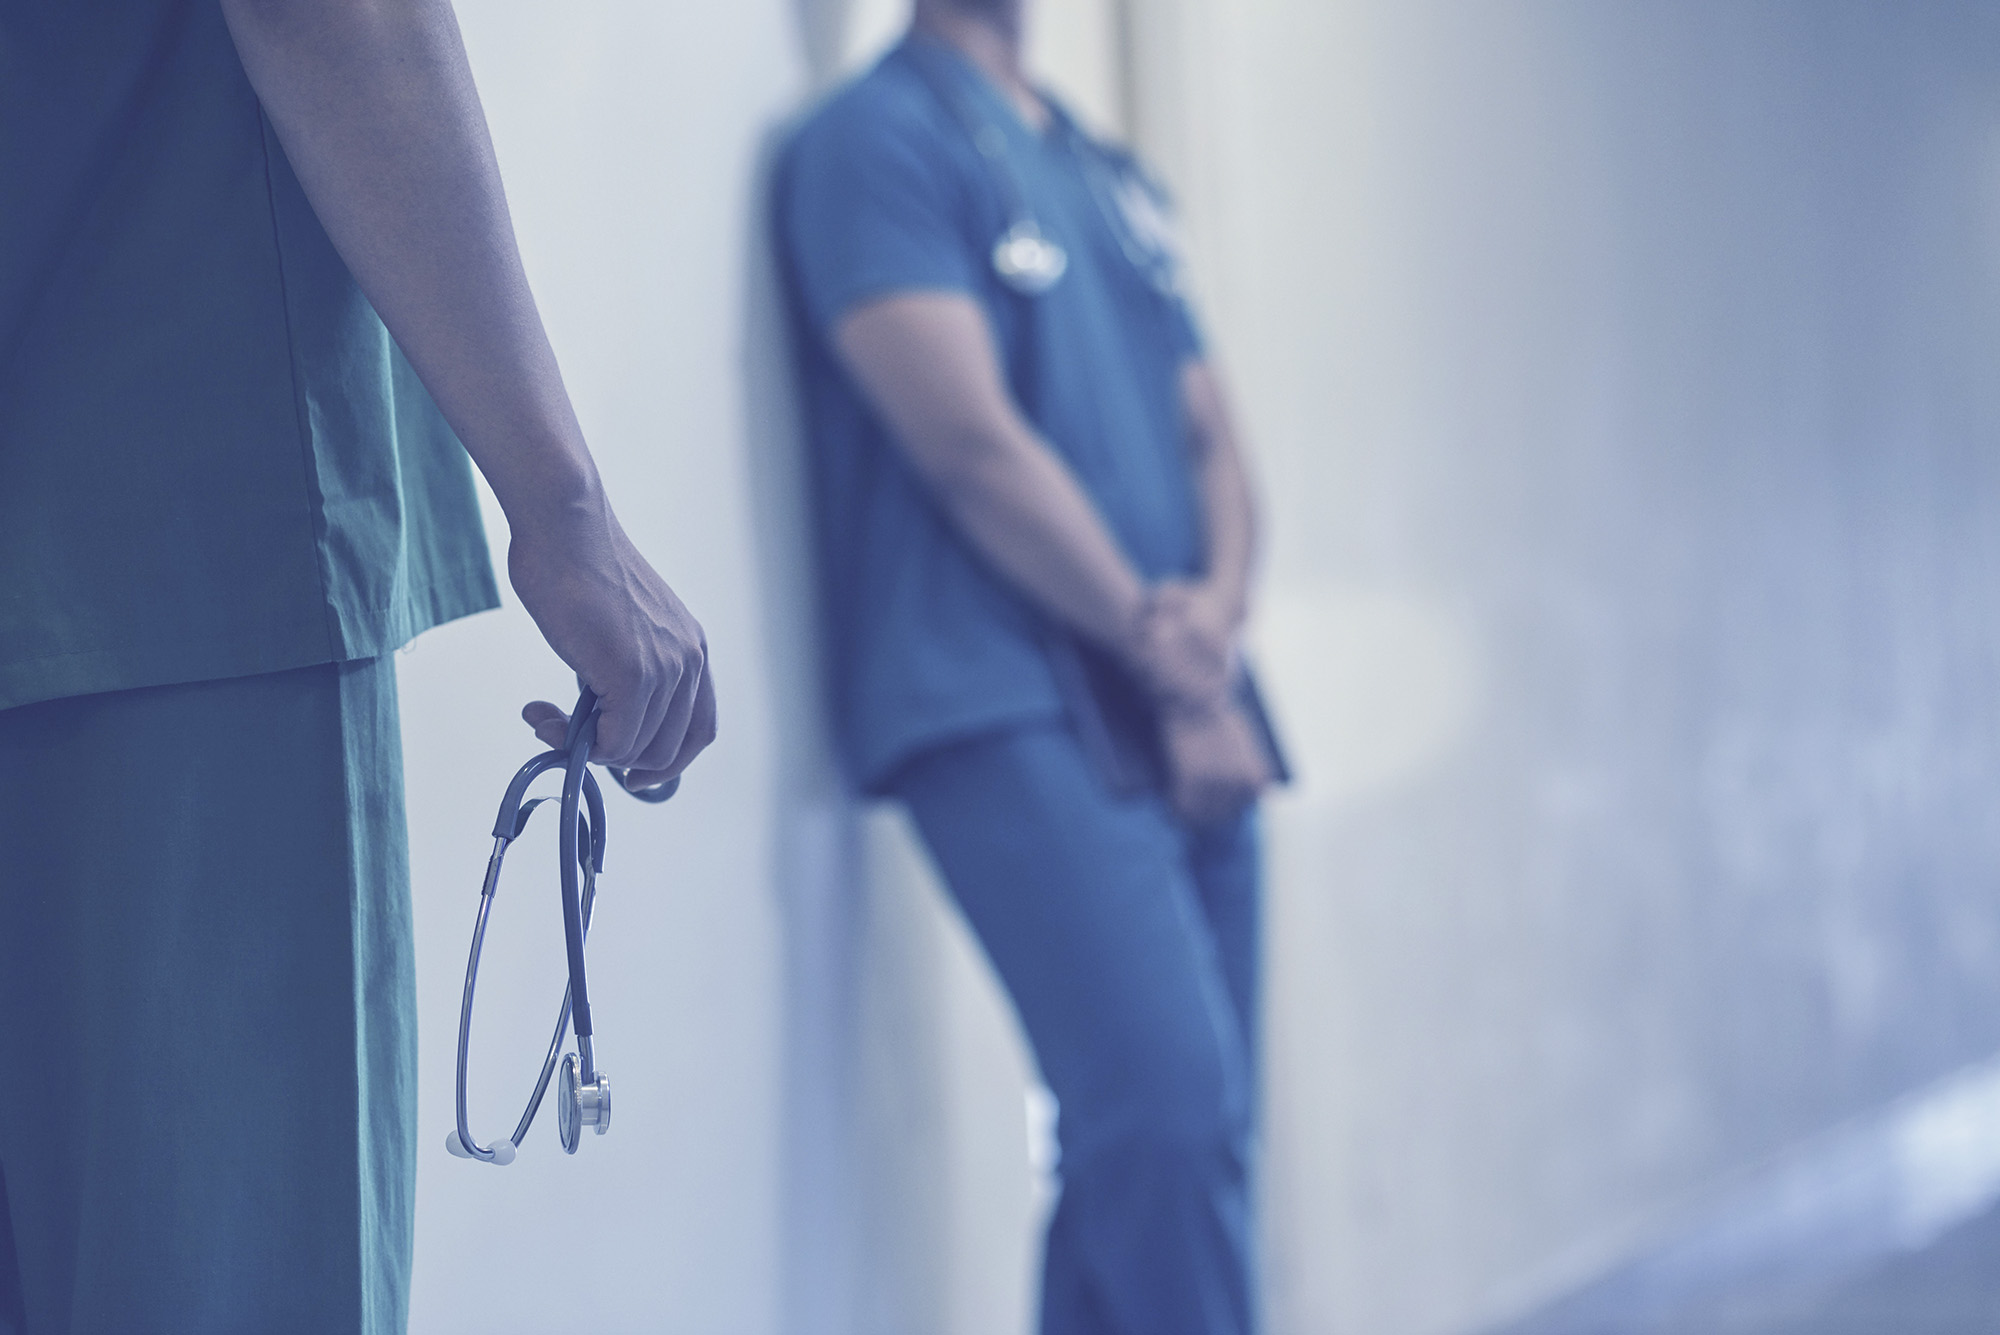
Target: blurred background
{"points": [[1620, 380]]}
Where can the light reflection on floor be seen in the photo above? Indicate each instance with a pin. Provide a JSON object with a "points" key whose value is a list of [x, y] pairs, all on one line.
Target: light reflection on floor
{"points": [[1887, 1226]]}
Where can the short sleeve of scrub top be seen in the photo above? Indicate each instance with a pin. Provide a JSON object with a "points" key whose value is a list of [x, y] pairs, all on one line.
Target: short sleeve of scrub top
{"points": [[214, 461], [870, 213]]}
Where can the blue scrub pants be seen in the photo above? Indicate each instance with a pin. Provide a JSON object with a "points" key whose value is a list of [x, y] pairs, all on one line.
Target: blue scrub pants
{"points": [[207, 1044], [1129, 945]]}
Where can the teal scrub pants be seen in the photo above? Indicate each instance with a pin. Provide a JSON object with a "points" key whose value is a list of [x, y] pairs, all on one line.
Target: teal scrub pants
{"points": [[207, 1043], [1129, 945]]}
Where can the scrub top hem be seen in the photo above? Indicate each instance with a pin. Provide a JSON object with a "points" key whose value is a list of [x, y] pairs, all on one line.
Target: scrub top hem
{"points": [[878, 777], [97, 671]]}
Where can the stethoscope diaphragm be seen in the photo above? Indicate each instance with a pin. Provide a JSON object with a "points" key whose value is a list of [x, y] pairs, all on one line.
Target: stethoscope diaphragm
{"points": [[1027, 261]]}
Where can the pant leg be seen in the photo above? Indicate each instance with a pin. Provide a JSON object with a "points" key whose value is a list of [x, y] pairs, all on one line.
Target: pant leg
{"points": [[13, 1321], [1088, 908], [1226, 860], [206, 1008]]}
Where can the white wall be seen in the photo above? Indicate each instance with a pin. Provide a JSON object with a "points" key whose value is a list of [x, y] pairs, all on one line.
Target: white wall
{"points": [[1616, 378], [629, 136], [1621, 381], [820, 1120]]}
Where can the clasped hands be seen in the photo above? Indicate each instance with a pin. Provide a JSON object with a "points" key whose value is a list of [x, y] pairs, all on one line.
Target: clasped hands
{"points": [[1182, 647]]}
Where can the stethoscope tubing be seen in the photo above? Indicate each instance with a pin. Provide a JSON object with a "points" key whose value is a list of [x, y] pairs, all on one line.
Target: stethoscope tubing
{"points": [[579, 871], [990, 142], [582, 733]]}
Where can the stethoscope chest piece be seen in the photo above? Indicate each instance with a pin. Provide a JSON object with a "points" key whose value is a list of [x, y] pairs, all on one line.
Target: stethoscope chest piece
{"points": [[1027, 261], [580, 1104]]}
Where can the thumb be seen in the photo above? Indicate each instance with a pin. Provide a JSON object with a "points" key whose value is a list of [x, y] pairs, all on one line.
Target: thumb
{"points": [[551, 725]]}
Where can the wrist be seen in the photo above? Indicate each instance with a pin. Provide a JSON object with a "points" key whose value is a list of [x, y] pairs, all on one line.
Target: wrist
{"points": [[1132, 634], [1227, 601], [1192, 711], [558, 498]]}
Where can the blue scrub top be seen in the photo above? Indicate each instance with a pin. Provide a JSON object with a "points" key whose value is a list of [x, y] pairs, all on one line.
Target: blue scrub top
{"points": [[214, 461], [882, 190]]}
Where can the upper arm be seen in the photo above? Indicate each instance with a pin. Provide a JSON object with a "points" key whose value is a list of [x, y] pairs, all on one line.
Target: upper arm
{"points": [[928, 364], [876, 214], [872, 202]]}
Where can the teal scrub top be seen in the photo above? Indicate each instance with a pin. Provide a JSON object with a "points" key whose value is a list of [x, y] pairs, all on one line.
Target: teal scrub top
{"points": [[214, 461], [882, 190]]}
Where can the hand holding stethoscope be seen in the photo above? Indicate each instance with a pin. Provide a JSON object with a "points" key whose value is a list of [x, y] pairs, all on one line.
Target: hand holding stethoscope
{"points": [[583, 1096]]}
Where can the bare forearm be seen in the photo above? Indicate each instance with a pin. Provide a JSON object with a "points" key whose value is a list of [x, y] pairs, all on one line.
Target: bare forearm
{"points": [[927, 362], [1222, 482], [1230, 522], [1023, 510], [375, 105]]}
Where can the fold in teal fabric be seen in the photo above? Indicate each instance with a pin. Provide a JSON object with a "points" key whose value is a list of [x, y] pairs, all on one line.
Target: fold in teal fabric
{"points": [[207, 1011], [214, 461]]}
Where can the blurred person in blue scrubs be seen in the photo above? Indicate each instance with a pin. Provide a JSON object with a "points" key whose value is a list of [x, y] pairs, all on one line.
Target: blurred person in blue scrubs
{"points": [[257, 284], [1035, 545]]}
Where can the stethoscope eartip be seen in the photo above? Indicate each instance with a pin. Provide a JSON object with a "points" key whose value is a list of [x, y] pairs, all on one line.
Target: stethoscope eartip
{"points": [[502, 1151]]}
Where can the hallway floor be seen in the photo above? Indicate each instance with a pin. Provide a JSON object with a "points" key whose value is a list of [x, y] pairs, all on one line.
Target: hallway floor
{"points": [[1950, 1287], [1888, 1224]]}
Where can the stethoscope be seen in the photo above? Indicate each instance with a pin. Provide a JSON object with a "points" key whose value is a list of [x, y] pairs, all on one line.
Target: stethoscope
{"points": [[1025, 258], [583, 1095]]}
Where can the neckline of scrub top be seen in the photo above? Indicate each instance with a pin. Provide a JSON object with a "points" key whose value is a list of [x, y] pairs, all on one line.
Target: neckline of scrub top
{"points": [[966, 70]]}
